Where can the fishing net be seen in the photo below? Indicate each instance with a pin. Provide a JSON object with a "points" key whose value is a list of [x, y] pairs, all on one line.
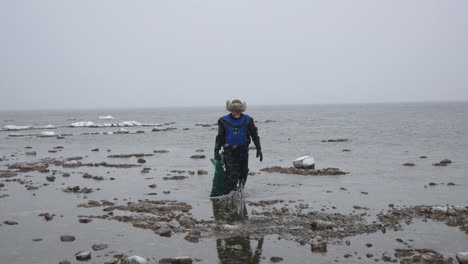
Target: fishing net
{"points": [[219, 186]]}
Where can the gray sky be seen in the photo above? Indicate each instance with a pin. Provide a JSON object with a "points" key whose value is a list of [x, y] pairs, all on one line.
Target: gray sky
{"points": [[111, 53]]}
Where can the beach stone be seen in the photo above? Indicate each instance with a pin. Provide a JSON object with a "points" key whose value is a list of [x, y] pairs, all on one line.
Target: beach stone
{"points": [[276, 259], [8, 174], [202, 172], [443, 162], [85, 220], [134, 260], [462, 257], [64, 262], [423, 157], [346, 150], [318, 247], [432, 184], [50, 178], [409, 164], [96, 149], [187, 222], [152, 186], [83, 255], [193, 236], [66, 174], [182, 260], [140, 160], [37, 239], [97, 247], [451, 184], [87, 176], [368, 245], [67, 238], [2, 185], [369, 255], [9, 222], [420, 256], [31, 153], [197, 156], [164, 232]]}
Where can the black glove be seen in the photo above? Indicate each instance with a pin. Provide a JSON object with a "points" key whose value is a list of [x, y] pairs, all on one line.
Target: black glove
{"points": [[259, 154], [217, 156]]}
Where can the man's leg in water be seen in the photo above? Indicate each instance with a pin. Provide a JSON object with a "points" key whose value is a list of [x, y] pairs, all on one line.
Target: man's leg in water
{"points": [[232, 171], [244, 169]]}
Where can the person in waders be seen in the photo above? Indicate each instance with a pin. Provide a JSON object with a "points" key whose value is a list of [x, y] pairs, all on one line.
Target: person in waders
{"points": [[235, 132]]}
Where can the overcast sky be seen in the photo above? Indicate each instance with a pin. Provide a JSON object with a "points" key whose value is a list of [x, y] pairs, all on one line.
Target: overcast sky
{"points": [[111, 53]]}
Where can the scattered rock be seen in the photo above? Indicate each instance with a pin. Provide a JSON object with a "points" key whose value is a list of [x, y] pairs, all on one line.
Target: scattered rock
{"points": [[443, 162], [66, 174], [161, 151], [152, 186], [193, 236], [8, 174], [85, 220], [97, 247], [409, 164], [136, 155], [50, 178], [202, 172], [276, 259], [318, 247], [421, 256], [47, 216], [78, 189], [423, 157], [64, 262], [96, 149], [199, 150], [321, 225], [369, 255], [175, 178], [451, 184], [182, 260], [432, 184], [368, 245], [163, 129], [346, 150], [336, 140], [197, 156], [134, 260], [140, 160], [2, 185], [37, 239], [164, 232], [83, 255], [67, 238], [9, 222], [31, 153], [291, 170], [29, 166]]}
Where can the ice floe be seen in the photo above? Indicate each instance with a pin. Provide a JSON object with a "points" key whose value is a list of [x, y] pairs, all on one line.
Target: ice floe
{"points": [[83, 124], [107, 117], [48, 134], [92, 124], [13, 127]]}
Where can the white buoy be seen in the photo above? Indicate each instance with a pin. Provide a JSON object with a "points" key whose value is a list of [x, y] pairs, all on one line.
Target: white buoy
{"points": [[305, 162]]}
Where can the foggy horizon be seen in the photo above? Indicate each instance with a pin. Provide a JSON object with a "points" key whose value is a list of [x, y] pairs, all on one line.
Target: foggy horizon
{"points": [[120, 55]]}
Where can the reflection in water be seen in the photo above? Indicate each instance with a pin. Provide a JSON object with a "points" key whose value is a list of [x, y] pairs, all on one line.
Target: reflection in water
{"points": [[234, 250]]}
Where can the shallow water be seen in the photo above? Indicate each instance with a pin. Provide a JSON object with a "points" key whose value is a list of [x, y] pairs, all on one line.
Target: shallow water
{"points": [[381, 138]]}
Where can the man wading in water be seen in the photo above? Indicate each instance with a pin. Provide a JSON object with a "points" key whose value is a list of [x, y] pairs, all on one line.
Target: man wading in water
{"points": [[234, 135]]}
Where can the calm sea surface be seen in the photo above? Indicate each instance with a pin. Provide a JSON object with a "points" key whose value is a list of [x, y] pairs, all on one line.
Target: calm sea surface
{"points": [[381, 138]]}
